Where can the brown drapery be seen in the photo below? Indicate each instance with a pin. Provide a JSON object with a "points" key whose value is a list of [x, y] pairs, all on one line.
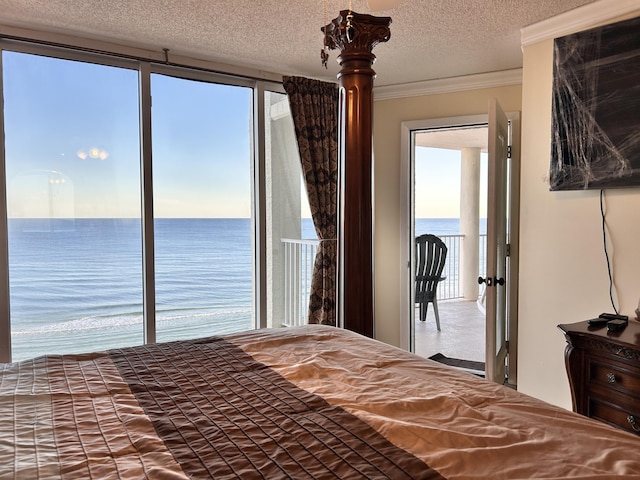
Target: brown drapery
{"points": [[314, 108]]}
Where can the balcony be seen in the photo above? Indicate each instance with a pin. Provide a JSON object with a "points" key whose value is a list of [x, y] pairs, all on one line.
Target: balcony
{"points": [[298, 267]]}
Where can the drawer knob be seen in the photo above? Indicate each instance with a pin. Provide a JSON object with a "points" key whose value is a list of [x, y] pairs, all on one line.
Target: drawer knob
{"points": [[611, 378], [633, 423]]}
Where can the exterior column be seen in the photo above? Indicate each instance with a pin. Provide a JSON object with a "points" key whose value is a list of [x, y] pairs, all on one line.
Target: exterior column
{"points": [[470, 221], [355, 35]]}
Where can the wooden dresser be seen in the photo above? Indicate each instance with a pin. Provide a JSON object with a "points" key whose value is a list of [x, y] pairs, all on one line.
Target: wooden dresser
{"points": [[604, 373]]}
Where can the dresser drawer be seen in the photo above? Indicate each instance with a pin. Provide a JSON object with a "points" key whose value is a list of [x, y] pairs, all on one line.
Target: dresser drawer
{"points": [[614, 414], [613, 375]]}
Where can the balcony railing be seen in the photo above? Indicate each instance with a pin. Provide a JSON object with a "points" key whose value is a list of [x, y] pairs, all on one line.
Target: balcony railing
{"points": [[450, 288], [300, 254], [298, 268]]}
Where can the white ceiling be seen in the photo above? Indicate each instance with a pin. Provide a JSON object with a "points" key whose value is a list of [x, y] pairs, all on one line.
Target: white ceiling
{"points": [[454, 138], [430, 39]]}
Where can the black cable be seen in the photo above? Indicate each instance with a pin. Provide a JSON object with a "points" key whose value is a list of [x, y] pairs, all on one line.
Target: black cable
{"points": [[606, 254]]}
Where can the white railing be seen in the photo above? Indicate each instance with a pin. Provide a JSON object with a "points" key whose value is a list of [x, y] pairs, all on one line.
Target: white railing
{"points": [[450, 288], [298, 268], [482, 268], [299, 256]]}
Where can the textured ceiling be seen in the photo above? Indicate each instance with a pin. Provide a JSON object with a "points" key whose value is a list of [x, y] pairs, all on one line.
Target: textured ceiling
{"points": [[430, 39]]}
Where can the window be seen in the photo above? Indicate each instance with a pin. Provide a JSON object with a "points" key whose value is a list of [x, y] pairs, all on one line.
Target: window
{"points": [[221, 202], [73, 204], [202, 207], [291, 240]]}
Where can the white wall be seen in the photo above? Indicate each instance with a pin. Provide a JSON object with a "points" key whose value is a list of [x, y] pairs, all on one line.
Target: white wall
{"points": [[563, 273]]}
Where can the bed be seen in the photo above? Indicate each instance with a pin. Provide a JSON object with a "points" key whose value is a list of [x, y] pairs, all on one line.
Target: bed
{"points": [[301, 402]]}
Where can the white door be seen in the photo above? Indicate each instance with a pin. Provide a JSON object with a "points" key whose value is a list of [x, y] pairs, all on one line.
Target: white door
{"points": [[496, 291]]}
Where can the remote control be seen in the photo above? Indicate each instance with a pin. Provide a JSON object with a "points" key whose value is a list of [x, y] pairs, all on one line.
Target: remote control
{"points": [[616, 325], [613, 316], [597, 322]]}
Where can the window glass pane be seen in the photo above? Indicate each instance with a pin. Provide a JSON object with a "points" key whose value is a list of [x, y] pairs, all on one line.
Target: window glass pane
{"points": [[73, 200], [291, 237], [202, 207]]}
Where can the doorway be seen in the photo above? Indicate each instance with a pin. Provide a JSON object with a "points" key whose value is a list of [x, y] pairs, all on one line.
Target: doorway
{"points": [[450, 202], [461, 301]]}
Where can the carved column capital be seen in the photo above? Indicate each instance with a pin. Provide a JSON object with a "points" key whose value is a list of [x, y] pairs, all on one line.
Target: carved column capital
{"points": [[355, 35]]}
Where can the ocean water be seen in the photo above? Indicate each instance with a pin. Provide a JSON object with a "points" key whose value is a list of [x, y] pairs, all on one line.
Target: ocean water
{"points": [[443, 226], [76, 285]]}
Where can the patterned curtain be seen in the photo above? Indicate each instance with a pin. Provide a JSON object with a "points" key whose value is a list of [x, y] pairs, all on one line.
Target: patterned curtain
{"points": [[314, 107]]}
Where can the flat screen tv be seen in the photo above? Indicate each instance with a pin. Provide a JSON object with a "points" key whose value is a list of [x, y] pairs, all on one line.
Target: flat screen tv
{"points": [[595, 138]]}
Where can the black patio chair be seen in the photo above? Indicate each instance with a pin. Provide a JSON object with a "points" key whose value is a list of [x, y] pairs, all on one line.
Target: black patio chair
{"points": [[431, 253]]}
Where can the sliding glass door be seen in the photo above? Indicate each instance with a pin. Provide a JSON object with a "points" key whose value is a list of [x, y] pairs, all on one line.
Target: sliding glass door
{"points": [[73, 204], [202, 188]]}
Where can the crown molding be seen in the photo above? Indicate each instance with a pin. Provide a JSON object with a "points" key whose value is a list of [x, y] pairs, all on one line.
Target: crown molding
{"points": [[577, 19], [448, 85]]}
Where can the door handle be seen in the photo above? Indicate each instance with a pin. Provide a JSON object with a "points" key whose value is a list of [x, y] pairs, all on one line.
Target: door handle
{"points": [[491, 281]]}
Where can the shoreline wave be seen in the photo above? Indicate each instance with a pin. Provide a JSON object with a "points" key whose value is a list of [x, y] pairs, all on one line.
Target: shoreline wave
{"points": [[109, 322]]}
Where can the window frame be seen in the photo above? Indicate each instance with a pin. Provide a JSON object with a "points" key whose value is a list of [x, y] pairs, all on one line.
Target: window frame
{"points": [[145, 69]]}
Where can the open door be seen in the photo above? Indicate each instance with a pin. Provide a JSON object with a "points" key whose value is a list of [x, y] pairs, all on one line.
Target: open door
{"points": [[496, 292], [499, 260]]}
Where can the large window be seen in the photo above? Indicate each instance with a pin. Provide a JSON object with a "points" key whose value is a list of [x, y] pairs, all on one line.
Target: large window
{"points": [[73, 204], [202, 207], [77, 202]]}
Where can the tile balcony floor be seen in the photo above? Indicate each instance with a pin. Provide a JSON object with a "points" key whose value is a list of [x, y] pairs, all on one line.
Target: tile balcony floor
{"points": [[462, 332]]}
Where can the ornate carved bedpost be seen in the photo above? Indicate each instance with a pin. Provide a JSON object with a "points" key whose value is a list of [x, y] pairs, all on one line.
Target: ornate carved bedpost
{"points": [[355, 35]]}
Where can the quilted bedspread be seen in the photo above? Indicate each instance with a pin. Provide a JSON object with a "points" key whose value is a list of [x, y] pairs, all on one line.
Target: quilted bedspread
{"points": [[300, 403]]}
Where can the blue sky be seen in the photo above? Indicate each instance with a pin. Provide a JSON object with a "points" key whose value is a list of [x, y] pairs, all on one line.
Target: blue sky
{"points": [[73, 145], [437, 183], [72, 137]]}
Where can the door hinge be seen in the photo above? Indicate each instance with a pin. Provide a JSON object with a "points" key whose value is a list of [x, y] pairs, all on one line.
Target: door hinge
{"points": [[506, 345], [508, 151], [507, 250]]}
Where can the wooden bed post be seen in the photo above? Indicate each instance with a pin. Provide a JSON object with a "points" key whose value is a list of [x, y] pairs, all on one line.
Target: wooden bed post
{"points": [[355, 35]]}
